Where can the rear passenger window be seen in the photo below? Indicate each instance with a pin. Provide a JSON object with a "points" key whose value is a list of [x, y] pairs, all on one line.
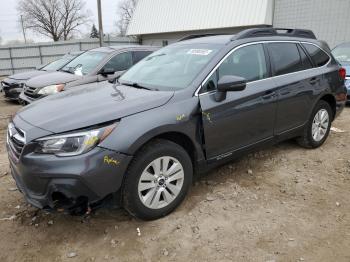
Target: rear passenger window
{"points": [[285, 58], [319, 57]]}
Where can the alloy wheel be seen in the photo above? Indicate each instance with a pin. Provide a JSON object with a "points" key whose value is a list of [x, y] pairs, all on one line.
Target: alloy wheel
{"points": [[320, 125], [161, 182]]}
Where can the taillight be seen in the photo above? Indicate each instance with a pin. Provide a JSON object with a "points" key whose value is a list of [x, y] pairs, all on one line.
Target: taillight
{"points": [[342, 73]]}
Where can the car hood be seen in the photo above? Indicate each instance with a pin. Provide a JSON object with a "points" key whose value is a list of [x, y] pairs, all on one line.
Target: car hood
{"points": [[52, 78], [26, 75], [89, 105]]}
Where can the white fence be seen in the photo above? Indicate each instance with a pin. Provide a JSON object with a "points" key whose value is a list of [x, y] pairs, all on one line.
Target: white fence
{"points": [[20, 58]]}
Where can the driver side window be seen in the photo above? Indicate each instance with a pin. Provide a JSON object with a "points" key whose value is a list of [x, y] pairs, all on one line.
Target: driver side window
{"points": [[120, 62], [248, 62]]}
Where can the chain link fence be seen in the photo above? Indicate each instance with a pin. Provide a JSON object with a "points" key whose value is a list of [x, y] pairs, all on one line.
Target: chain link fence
{"points": [[20, 58]]}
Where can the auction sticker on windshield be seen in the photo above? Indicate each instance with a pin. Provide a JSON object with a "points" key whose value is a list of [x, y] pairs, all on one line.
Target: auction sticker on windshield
{"points": [[199, 52]]}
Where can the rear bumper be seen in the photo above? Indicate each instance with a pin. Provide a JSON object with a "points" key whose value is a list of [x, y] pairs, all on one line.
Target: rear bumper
{"points": [[339, 108], [50, 182]]}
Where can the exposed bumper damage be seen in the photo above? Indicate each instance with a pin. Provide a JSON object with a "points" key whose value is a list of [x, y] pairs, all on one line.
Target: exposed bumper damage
{"points": [[73, 184]]}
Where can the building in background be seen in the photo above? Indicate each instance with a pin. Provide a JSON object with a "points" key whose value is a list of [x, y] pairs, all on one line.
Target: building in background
{"points": [[161, 22], [329, 19]]}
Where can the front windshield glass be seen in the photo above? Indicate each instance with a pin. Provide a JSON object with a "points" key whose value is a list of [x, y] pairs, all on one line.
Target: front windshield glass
{"points": [[85, 63], [58, 64], [170, 68], [342, 53]]}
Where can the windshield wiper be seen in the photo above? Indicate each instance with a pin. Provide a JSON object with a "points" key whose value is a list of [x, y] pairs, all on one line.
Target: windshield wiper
{"points": [[69, 70], [151, 57], [138, 86]]}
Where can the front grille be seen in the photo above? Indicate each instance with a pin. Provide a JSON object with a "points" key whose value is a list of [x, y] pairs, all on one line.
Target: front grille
{"points": [[16, 140], [30, 91]]}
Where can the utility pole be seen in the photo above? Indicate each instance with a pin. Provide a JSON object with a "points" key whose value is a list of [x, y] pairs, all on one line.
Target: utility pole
{"points": [[100, 26], [23, 30]]}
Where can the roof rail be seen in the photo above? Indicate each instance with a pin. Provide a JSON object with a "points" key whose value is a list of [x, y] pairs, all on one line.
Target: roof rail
{"points": [[260, 32], [189, 37]]}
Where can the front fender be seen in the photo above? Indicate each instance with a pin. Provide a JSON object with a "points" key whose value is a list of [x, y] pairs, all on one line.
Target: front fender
{"points": [[134, 131]]}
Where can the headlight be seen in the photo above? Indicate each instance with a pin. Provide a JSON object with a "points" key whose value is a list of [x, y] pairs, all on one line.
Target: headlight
{"points": [[49, 90], [73, 144]]}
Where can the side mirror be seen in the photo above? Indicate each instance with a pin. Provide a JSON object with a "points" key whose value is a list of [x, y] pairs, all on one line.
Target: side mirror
{"points": [[229, 83], [115, 76], [107, 71]]}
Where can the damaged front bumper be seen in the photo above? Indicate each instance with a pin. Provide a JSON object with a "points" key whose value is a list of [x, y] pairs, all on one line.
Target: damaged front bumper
{"points": [[12, 93], [69, 183]]}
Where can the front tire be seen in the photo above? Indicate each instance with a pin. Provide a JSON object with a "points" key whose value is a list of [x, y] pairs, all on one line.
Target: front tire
{"points": [[317, 129], [157, 180]]}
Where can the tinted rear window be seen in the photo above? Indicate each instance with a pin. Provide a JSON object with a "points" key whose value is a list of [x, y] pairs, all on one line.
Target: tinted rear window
{"points": [[285, 58], [319, 57]]}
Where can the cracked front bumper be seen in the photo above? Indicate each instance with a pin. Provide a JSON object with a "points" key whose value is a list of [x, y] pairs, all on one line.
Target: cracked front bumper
{"points": [[42, 178]]}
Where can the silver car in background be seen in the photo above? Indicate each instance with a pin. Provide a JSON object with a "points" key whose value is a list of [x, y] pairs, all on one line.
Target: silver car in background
{"points": [[12, 86]]}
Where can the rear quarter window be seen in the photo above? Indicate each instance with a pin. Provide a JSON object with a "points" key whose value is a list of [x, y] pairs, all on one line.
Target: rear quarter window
{"points": [[318, 56]]}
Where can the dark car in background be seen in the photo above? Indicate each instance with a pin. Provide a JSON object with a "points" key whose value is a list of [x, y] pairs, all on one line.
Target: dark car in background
{"points": [[93, 66], [186, 108], [342, 55], [12, 86]]}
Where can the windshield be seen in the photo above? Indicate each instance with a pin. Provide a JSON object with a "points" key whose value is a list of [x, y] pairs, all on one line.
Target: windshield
{"points": [[342, 53], [85, 63], [170, 68], [58, 64]]}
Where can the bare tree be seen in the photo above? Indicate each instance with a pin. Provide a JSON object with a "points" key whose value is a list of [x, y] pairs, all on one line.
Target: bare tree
{"points": [[57, 19], [125, 12]]}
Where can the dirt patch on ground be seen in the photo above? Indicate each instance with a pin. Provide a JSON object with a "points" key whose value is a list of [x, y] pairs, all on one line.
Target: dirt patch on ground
{"points": [[283, 203]]}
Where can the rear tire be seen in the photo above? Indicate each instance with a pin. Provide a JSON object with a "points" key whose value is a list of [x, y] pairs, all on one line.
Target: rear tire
{"points": [[157, 180], [317, 129]]}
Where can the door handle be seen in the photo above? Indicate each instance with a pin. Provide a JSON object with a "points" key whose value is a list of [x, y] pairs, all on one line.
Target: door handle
{"points": [[313, 80], [269, 94]]}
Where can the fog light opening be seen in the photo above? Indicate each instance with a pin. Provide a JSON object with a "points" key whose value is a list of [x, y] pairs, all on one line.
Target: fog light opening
{"points": [[73, 206], [60, 200]]}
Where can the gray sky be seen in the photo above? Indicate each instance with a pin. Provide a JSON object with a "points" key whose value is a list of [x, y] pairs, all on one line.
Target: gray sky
{"points": [[10, 30]]}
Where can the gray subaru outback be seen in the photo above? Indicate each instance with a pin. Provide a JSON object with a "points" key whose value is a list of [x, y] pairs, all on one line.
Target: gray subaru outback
{"points": [[182, 110]]}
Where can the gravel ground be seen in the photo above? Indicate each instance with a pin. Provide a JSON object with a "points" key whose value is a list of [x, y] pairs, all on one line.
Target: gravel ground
{"points": [[283, 203]]}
